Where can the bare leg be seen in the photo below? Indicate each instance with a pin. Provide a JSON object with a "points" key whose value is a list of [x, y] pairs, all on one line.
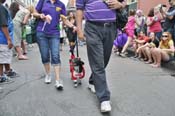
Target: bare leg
{"points": [[126, 44], [165, 56], [153, 55], [61, 47], [148, 54], [143, 52], [7, 67], [20, 54], [135, 46], [57, 72], [72, 46], [47, 68], [140, 53], [158, 58], [1, 69], [23, 46]]}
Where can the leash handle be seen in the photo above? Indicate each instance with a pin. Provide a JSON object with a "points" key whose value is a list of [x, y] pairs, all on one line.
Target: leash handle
{"points": [[76, 44]]}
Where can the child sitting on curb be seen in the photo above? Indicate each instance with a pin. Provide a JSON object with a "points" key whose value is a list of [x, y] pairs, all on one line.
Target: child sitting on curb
{"points": [[120, 41], [140, 41], [146, 49]]}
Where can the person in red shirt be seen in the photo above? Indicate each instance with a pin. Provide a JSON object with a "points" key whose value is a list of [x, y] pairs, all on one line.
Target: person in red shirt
{"points": [[148, 47], [140, 41]]}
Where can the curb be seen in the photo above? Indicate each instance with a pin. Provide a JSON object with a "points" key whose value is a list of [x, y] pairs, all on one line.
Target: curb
{"points": [[169, 65]]}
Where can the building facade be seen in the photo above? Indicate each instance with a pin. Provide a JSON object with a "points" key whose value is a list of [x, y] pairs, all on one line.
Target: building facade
{"points": [[146, 5], [22, 2]]}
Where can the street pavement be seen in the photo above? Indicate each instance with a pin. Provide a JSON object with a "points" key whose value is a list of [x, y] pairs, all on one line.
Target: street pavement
{"points": [[137, 89]]}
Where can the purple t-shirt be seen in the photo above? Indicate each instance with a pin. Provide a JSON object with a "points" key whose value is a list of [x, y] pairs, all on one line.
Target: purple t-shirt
{"points": [[54, 10], [96, 10]]}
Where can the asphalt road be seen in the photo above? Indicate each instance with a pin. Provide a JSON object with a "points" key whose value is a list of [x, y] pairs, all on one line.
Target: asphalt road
{"points": [[137, 89]]}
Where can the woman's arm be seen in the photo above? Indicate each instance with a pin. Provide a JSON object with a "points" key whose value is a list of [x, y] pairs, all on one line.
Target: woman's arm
{"points": [[67, 22], [26, 17], [149, 21], [159, 15], [7, 35], [140, 41], [172, 13], [171, 50], [38, 15], [79, 20]]}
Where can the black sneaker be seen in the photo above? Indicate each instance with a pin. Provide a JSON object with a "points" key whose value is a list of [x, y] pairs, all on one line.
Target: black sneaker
{"points": [[12, 74], [4, 78]]}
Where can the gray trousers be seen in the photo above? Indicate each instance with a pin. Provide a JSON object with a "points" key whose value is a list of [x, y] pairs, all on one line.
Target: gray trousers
{"points": [[99, 38]]}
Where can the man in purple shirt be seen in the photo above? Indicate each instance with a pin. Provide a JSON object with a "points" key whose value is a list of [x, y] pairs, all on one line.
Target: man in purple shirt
{"points": [[100, 32], [49, 13]]}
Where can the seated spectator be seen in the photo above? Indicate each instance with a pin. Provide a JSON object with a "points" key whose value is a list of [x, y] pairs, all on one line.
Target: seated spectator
{"points": [[120, 41], [165, 51], [140, 41], [147, 48]]}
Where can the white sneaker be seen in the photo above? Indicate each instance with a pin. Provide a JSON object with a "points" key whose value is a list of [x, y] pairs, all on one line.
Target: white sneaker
{"points": [[47, 79], [59, 84], [75, 83], [105, 106], [91, 88]]}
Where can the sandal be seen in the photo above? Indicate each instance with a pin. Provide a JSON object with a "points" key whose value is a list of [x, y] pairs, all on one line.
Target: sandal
{"points": [[24, 53], [22, 57], [148, 62], [155, 65], [123, 55]]}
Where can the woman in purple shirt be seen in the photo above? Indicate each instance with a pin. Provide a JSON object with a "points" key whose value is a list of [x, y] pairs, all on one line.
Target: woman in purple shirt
{"points": [[49, 13]]}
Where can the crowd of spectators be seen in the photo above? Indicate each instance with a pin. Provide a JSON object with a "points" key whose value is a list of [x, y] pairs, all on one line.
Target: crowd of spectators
{"points": [[151, 36]]}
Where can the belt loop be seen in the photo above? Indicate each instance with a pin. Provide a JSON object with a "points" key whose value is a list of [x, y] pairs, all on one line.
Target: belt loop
{"points": [[106, 24]]}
